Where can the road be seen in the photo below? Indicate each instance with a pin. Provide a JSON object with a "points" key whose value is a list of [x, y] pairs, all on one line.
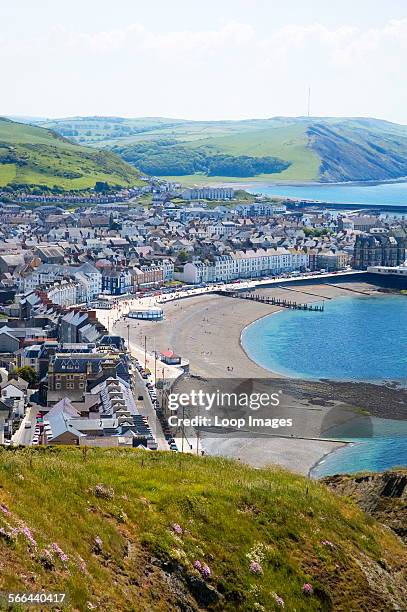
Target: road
{"points": [[24, 436], [146, 408]]}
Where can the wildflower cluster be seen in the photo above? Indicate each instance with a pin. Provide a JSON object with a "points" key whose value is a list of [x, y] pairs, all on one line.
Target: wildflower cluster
{"points": [[59, 552], [255, 568], [203, 569], [10, 533], [81, 564], [257, 552], [177, 528], [279, 600], [307, 589], [26, 531], [256, 556]]}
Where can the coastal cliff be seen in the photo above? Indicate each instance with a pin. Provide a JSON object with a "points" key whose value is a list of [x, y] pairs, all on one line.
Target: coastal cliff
{"points": [[119, 529], [383, 496]]}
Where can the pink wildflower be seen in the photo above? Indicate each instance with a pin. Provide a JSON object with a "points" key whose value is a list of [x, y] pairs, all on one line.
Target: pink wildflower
{"points": [[255, 568], [205, 572], [279, 601], [63, 556], [177, 529], [4, 509], [307, 589], [328, 543], [203, 569], [81, 564], [27, 533]]}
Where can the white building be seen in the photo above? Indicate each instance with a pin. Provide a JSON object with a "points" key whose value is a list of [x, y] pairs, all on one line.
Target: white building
{"points": [[46, 274], [389, 270], [223, 228], [261, 209], [64, 293], [168, 269], [209, 193], [250, 263]]}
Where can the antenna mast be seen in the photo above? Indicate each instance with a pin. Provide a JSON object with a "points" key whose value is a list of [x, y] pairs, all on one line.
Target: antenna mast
{"points": [[309, 101]]}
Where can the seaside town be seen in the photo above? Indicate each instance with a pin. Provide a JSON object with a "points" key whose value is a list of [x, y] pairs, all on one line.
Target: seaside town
{"points": [[203, 306], [73, 267]]}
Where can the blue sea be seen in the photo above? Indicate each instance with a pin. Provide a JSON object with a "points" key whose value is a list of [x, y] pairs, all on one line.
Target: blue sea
{"points": [[356, 339], [385, 193]]}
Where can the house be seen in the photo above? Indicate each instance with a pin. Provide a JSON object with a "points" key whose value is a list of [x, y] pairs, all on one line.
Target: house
{"points": [[30, 356], [50, 254], [8, 263], [14, 391], [61, 430], [115, 282], [73, 374], [170, 358], [8, 342]]}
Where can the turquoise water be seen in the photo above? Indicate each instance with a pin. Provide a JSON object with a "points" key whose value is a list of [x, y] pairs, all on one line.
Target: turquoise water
{"points": [[391, 193], [356, 338], [375, 455]]}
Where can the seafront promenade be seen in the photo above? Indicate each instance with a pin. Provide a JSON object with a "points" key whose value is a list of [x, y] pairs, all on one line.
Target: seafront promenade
{"points": [[205, 328]]}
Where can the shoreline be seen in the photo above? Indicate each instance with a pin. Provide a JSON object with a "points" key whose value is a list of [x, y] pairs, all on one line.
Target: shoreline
{"points": [[272, 372], [324, 457], [261, 182], [207, 331]]}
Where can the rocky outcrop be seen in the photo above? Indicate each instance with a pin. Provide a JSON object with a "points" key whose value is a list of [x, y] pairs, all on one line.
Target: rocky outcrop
{"points": [[383, 496]]}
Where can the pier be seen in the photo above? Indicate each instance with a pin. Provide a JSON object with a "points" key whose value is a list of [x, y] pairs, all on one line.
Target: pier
{"points": [[256, 297]]}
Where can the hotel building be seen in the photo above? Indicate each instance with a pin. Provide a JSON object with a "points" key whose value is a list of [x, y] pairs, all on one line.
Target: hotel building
{"points": [[250, 263]]}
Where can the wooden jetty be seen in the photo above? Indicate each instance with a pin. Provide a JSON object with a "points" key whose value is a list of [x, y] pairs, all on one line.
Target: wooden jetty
{"points": [[256, 297]]}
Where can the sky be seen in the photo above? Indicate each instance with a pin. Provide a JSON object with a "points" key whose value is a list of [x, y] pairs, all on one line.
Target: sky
{"points": [[217, 59]]}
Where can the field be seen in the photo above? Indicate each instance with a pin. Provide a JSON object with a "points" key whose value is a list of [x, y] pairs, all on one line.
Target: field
{"points": [[38, 157], [121, 529], [288, 143], [325, 149]]}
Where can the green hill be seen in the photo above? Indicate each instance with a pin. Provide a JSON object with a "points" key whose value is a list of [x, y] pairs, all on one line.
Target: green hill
{"points": [[121, 529], [302, 148], [32, 156]]}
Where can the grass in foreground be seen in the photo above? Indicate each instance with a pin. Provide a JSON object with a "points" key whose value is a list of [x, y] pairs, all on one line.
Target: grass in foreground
{"points": [[103, 526]]}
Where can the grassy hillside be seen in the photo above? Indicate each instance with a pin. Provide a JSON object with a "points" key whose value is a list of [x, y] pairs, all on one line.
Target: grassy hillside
{"points": [[125, 530], [38, 157], [313, 149]]}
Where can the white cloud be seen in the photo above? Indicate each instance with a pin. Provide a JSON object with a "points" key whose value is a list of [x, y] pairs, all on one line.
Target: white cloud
{"points": [[230, 70]]}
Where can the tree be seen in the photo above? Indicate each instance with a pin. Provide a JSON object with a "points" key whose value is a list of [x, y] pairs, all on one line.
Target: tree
{"points": [[183, 256], [27, 373], [101, 186]]}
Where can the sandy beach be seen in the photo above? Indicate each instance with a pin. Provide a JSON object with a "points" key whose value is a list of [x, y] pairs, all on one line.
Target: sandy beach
{"points": [[206, 330]]}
